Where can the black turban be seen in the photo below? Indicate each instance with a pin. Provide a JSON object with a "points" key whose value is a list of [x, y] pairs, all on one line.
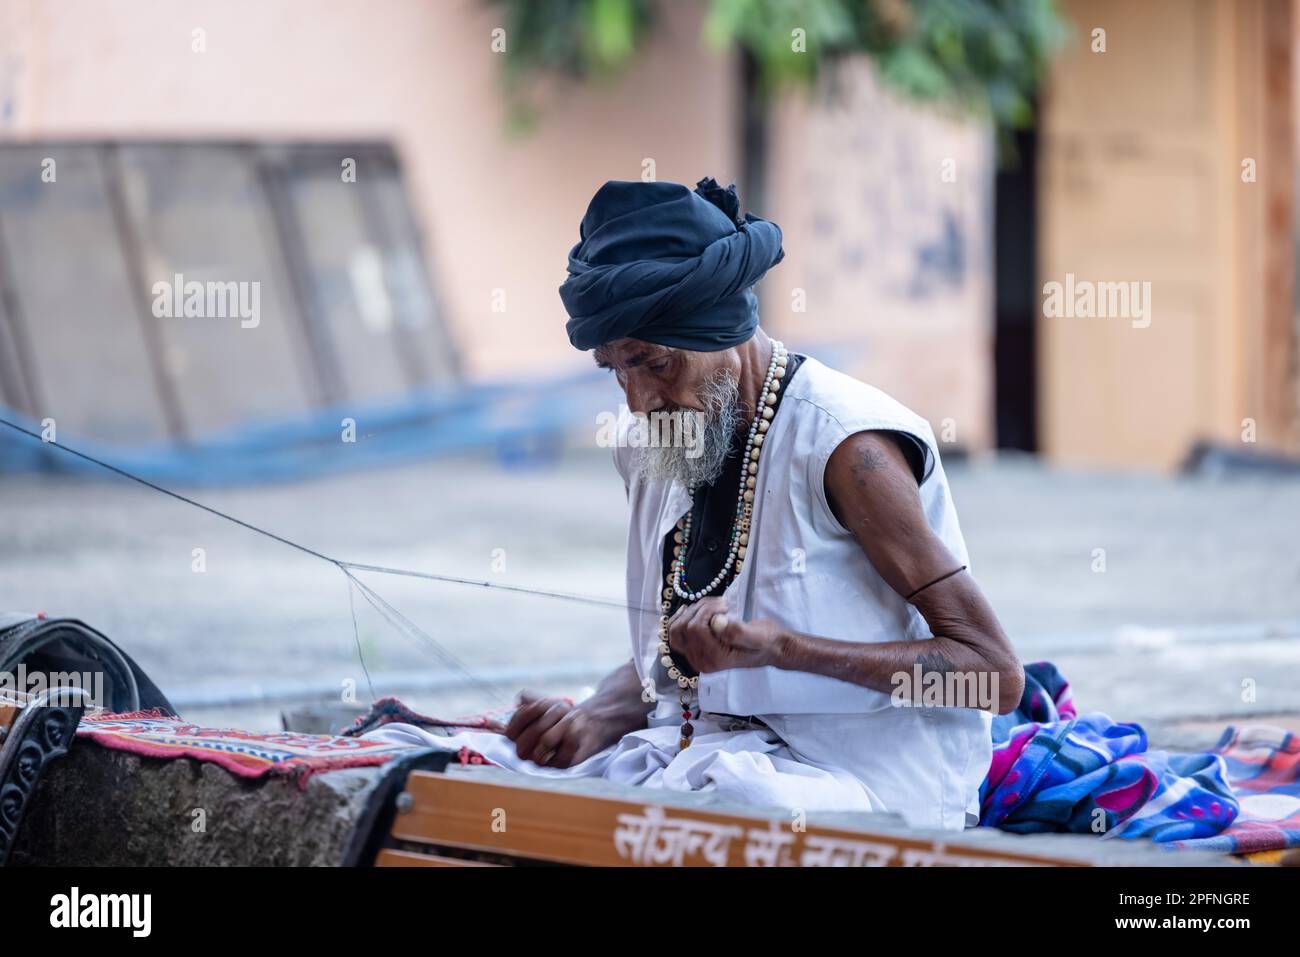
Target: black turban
{"points": [[669, 265]]}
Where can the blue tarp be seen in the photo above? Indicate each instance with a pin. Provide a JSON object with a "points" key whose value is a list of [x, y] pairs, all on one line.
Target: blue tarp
{"points": [[522, 421]]}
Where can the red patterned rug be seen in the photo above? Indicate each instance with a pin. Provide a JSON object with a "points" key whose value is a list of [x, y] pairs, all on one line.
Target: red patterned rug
{"points": [[249, 754]]}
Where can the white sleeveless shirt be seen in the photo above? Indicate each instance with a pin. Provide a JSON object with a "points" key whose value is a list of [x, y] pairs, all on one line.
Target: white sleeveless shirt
{"points": [[806, 571]]}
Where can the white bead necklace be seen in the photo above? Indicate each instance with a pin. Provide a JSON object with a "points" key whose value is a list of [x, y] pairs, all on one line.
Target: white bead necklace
{"points": [[748, 480], [675, 583]]}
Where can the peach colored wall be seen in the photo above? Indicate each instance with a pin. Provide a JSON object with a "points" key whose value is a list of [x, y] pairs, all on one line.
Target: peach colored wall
{"points": [[887, 213], [857, 187], [499, 212]]}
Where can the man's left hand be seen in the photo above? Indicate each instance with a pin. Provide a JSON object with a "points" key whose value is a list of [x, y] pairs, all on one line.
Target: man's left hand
{"points": [[711, 639]]}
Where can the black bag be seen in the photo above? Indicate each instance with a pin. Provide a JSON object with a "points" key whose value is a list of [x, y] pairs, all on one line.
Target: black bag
{"points": [[76, 668], [55, 646]]}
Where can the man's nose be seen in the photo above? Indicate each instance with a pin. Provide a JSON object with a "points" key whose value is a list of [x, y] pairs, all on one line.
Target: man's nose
{"points": [[643, 399]]}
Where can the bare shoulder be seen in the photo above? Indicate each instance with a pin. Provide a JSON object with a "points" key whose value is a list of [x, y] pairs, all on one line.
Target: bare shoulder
{"points": [[873, 493], [869, 462]]}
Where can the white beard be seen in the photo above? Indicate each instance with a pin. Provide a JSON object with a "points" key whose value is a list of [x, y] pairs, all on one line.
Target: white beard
{"points": [[699, 462]]}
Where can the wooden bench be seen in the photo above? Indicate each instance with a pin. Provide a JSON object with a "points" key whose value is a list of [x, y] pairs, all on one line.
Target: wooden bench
{"points": [[456, 819]]}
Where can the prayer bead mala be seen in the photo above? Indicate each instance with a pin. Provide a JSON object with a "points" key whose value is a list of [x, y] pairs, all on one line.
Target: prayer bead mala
{"points": [[675, 583]]}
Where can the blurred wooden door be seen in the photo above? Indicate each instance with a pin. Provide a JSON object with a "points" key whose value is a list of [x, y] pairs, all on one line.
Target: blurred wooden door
{"points": [[1142, 155]]}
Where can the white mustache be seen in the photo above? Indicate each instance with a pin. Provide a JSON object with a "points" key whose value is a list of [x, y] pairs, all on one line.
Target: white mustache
{"points": [[701, 461]]}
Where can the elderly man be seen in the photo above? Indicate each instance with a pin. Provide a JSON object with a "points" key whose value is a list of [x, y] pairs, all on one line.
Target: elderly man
{"points": [[804, 629]]}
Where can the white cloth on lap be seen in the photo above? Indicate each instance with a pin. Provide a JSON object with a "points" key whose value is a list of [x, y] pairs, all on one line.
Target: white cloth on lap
{"points": [[751, 764]]}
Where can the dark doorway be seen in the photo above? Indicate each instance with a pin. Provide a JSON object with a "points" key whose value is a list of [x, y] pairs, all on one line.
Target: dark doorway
{"points": [[1016, 295]]}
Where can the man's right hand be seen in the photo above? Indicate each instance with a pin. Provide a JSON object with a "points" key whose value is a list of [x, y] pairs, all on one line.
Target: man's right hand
{"points": [[552, 732]]}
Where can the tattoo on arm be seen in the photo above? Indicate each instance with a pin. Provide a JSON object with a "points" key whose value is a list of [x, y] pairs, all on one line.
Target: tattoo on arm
{"points": [[870, 460], [934, 661]]}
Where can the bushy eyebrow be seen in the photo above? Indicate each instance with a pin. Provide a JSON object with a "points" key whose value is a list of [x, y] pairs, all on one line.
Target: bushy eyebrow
{"points": [[636, 359], [639, 358]]}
